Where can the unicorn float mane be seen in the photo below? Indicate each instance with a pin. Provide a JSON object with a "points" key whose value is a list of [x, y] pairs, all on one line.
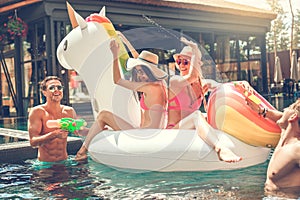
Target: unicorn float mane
{"points": [[86, 50]]}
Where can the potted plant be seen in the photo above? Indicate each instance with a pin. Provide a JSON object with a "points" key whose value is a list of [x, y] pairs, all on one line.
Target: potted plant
{"points": [[16, 27], [12, 28]]}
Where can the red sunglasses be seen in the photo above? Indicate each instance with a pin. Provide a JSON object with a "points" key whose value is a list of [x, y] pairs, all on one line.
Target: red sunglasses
{"points": [[183, 61]]}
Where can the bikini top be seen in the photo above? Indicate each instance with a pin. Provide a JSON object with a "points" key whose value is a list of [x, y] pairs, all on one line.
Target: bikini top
{"points": [[144, 106], [142, 103], [183, 101]]}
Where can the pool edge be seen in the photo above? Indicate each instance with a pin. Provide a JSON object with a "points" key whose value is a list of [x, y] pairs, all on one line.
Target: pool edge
{"points": [[18, 152]]}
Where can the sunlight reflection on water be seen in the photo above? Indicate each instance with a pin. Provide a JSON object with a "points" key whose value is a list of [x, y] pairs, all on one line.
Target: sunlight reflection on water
{"points": [[96, 181]]}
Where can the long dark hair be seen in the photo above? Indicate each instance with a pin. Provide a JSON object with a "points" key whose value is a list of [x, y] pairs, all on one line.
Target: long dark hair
{"points": [[148, 72]]}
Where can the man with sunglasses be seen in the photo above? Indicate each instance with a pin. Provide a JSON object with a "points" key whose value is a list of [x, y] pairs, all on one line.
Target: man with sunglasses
{"points": [[51, 142]]}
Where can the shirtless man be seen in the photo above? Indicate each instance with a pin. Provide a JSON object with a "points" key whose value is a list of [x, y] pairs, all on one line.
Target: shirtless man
{"points": [[51, 142], [284, 167]]}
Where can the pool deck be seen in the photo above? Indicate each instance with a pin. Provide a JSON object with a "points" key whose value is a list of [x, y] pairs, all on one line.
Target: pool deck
{"points": [[18, 152]]}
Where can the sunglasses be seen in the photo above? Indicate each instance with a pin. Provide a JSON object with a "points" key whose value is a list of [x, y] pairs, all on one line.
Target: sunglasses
{"points": [[51, 88], [183, 61], [139, 71]]}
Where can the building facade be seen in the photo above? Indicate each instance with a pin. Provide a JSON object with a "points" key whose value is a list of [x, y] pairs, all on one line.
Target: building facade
{"points": [[233, 35]]}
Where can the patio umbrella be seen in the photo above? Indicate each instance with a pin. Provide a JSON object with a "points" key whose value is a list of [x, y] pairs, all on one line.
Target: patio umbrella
{"points": [[294, 70], [277, 72]]}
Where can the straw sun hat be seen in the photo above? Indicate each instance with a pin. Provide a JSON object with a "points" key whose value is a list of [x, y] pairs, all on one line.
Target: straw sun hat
{"points": [[186, 51], [149, 60]]}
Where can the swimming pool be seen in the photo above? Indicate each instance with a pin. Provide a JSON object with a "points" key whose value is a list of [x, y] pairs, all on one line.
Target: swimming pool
{"points": [[8, 139], [19, 123], [96, 181]]}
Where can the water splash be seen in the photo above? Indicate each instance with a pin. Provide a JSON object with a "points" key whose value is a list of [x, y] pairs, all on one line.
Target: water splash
{"points": [[151, 21]]}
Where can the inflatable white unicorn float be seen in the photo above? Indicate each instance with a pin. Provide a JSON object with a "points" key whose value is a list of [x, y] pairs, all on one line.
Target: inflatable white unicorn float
{"points": [[86, 50]]}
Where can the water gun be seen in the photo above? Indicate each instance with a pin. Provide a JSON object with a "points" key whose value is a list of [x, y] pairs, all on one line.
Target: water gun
{"points": [[68, 124], [249, 95]]}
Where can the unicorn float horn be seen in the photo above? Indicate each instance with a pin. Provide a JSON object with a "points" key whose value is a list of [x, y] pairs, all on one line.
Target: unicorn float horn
{"points": [[72, 17], [86, 50], [75, 18]]}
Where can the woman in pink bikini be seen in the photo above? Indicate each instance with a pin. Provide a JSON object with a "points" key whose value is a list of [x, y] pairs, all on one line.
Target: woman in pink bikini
{"points": [[147, 79], [186, 93]]}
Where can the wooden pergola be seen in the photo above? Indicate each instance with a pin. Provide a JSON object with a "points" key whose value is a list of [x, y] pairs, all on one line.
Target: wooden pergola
{"points": [[48, 23]]}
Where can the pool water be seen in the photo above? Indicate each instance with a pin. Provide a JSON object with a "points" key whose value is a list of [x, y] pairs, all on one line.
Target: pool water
{"points": [[19, 123], [96, 181]]}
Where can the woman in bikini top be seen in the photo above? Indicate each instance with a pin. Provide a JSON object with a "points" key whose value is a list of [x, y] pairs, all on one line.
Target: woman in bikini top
{"points": [[147, 79], [185, 96], [153, 108], [152, 96], [186, 100], [185, 92], [154, 111], [184, 103]]}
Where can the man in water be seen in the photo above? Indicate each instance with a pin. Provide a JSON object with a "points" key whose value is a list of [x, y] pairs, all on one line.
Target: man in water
{"points": [[51, 142], [284, 167]]}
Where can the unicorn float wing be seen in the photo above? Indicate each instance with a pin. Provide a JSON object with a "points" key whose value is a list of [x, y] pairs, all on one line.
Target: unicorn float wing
{"points": [[86, 50]]}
